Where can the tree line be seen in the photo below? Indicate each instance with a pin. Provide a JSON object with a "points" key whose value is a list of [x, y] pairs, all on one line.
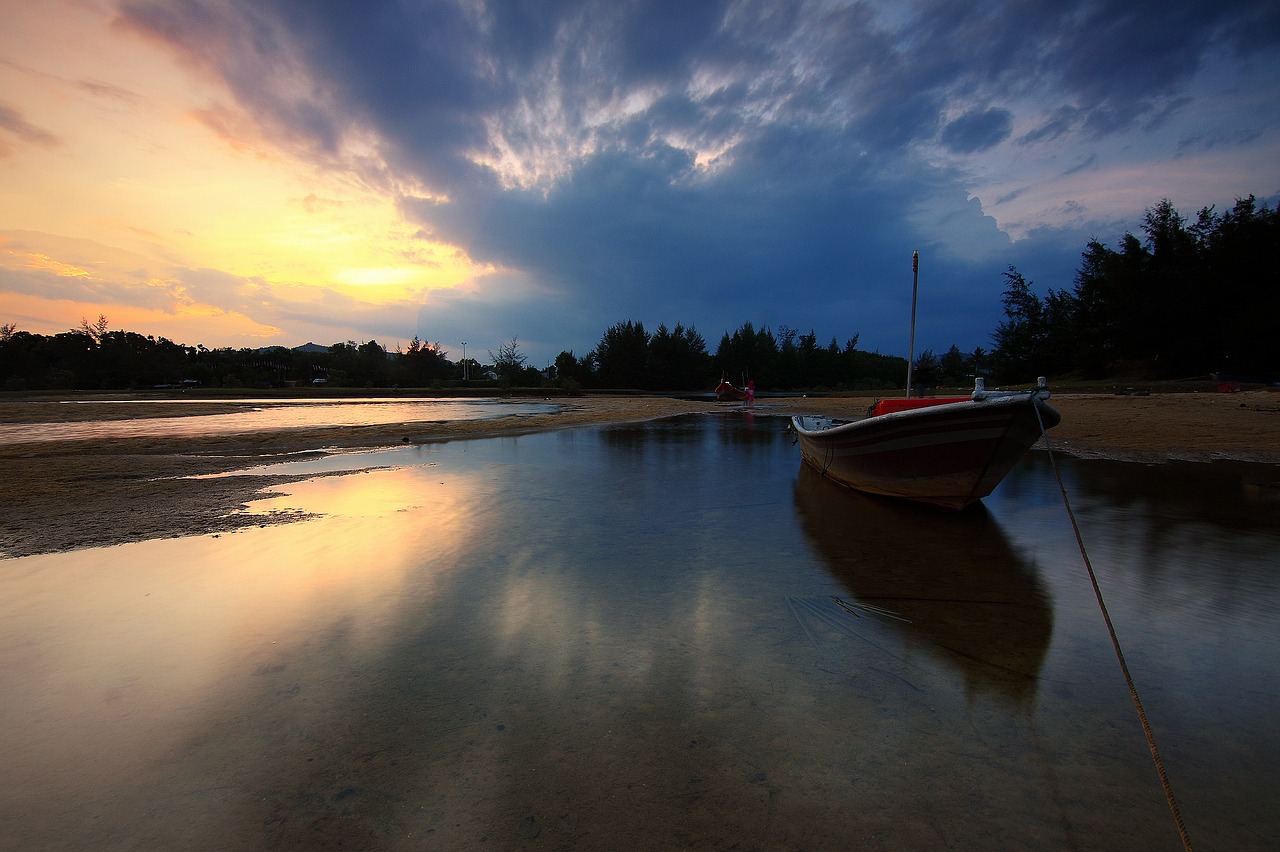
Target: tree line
{"points": [[1190, 299], [95, 357], [677, 358]]}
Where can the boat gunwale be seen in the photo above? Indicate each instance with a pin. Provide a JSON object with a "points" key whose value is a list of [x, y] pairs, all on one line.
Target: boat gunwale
{"points": [[839, 427]]}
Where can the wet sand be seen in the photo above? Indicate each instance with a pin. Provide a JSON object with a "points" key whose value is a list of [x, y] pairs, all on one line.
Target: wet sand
{"points": [[67, 495]]}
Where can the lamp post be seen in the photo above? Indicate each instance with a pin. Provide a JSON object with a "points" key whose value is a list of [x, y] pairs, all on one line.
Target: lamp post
{"points": [[911, 351], [464, 360]]}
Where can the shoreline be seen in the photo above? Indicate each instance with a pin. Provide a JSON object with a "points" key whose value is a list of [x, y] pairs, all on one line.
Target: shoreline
{"points": [[90, 493]]}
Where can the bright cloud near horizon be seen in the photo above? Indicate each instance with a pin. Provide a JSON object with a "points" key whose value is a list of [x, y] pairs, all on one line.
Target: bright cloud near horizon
{"points": [[272, 172]]}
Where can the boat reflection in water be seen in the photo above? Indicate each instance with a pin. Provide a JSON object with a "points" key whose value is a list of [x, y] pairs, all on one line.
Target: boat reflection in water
{"points": [[949, 585]]}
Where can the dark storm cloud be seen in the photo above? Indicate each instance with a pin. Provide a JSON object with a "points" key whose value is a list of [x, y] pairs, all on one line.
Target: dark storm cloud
{"points": [[978, 130], [792, 233], [808, 117]]}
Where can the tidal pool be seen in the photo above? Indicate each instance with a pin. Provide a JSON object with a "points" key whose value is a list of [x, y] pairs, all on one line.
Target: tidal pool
{"points": [[653, 636]]}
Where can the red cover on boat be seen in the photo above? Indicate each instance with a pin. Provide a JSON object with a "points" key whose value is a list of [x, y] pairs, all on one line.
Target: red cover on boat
{"points": [[889, 406]]}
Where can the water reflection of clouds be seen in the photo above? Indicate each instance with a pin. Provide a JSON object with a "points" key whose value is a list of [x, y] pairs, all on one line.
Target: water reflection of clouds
{"points": [[580, 634]]}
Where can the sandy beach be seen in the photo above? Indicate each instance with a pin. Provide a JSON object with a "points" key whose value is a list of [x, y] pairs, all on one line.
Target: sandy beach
{"points": [[72, 494]]}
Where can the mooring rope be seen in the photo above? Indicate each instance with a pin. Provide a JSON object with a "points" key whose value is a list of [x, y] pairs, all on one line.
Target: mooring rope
{"points": [[1115, 643]]}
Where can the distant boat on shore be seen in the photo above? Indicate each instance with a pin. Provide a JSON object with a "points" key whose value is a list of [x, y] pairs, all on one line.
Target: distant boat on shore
{"points": [[725, 390]]}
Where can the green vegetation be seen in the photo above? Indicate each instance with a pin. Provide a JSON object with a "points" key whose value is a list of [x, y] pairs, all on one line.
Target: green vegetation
{"points": [[1188, 301]]}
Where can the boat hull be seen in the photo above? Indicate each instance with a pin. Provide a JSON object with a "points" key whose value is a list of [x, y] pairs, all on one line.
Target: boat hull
{"points": [[949, 455], [728, 391]]}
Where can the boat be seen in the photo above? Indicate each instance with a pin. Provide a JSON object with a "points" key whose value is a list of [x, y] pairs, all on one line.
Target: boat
{"points": [[725, 390], [948, 452]]}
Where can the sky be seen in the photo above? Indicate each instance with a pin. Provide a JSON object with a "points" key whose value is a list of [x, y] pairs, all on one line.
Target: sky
{"points": [[251, 173]]}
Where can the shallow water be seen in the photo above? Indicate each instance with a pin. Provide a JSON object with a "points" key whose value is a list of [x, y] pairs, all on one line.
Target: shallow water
{"points": [[271, 415], [651, 636]]}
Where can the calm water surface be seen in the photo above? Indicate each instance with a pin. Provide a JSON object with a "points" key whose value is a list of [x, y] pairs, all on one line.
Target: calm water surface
{"points": [[654, 636]]}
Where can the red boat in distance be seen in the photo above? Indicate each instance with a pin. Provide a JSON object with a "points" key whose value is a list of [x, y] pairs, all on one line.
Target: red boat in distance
{"points": [[724, 391]]}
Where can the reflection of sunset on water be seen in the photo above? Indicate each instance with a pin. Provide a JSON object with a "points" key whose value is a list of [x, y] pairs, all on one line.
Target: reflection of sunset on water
{"points": [[111, 656], [378, 528]]}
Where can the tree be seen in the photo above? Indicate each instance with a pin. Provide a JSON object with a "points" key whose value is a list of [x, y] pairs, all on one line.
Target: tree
{"points": [[1175, 292], [1099, 332], [927, 371], [789, 366], [572, 372], [977, 362], [678, 359], [1242, 260], [951, 367], [1019, 338], [1057, 353], [870, 370], [509, 362], [423, 363], [621, 357], [749, 354], [374, 365], [812, 370], [95, 331]]}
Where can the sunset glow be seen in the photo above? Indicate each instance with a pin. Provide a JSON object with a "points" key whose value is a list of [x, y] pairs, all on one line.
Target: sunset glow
{"points": [[133, 192]]}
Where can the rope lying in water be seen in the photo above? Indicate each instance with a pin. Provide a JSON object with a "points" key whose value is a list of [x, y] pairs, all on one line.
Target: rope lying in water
{"points": [[1115, 643]]}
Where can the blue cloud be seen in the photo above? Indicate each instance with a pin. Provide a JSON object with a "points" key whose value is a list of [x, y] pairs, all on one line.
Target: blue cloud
{"points": [[978, 130]]}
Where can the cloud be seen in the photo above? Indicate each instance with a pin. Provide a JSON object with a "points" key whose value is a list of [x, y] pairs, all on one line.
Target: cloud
{"points": [[12, 121], [977, 130], [716, 162], [1056, 125], [456, 91], [108, 91], [1081, 165]]}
